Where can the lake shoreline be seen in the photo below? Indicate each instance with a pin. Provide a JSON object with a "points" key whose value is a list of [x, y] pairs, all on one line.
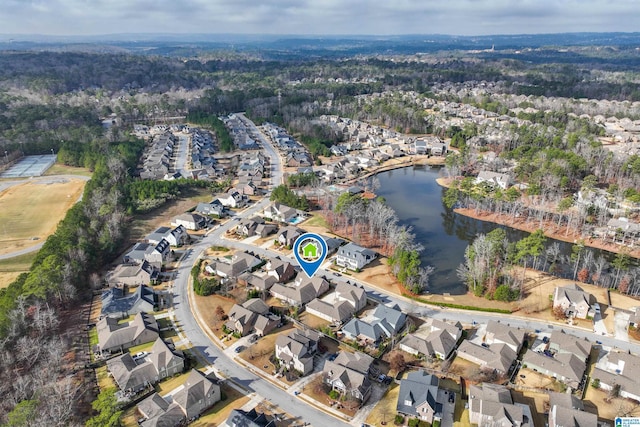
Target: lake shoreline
{"points": [[550, 229]]}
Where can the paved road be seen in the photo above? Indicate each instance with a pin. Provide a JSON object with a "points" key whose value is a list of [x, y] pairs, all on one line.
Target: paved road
{"points": [[277, 396], [181, 155], [213, 354]]}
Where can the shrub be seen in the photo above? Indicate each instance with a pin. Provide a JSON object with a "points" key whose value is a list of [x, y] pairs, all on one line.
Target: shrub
{"points": [[595, 383], [334, 394], [413, 422], [398, 420]]}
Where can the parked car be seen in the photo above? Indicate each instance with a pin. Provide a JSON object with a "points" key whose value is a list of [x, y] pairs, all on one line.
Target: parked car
{"points": [[253, 338], [239, 349]]}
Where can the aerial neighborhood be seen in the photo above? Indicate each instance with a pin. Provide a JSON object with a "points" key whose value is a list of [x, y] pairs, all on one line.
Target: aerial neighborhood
{"points": [[334, 341]]}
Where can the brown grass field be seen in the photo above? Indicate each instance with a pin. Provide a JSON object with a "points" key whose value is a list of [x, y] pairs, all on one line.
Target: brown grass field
{"points": [[32, 210], [11, 268]]}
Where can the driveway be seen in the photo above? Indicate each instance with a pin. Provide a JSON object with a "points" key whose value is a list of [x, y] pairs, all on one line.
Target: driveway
{"points": [[448, 408], [598, 325], [621, 323], [377, 392]]}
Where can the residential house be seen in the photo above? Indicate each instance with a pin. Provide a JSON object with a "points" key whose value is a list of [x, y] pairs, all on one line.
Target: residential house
{"points": [[247, 189], [384, 322], [574, 301], [623, 230], [154, 254], [340, 305], [499, 357], [240, 418], [494, 179], [247, 226], [619, 369], [354, 257], [233, 199], [133, 274], [161, 362], [433, 339], [560, 342], [283, 271], [176, 236], [333, 244], [295, 350], [500, 333], [253, 281], [567, 410], [252, 315], [214, 208], [301, 292], [114, 336], [116, 302], [349, 374], [239, 263], [282, 213], [565, 367], [419, 397], [190, 221], [184, 403], [492, 405], [289, 235]]}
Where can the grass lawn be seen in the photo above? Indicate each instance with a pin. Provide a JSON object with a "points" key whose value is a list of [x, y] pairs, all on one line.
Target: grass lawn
{"points": [[93, 337], [11, 268], [130, 417], [316, 220], [221, 410], [141, 347], [171, 383], [60, 169], [31, 210], [537, 380], [104, 380], [385, 409], [207, 306], [461, 415], [259, 353], [312, 321]]}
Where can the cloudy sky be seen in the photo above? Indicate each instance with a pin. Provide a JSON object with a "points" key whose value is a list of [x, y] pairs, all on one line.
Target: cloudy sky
{"points": [[382, 17]]}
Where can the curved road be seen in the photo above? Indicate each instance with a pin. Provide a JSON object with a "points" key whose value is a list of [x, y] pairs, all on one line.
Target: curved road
{"points": [[284, 400]]}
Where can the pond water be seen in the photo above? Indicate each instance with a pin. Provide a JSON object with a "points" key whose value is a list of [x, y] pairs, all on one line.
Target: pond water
{"points": [[417, 199]]}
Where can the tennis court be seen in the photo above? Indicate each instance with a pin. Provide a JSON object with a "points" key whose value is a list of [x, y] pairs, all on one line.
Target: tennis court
{"points": [[30, 166]]}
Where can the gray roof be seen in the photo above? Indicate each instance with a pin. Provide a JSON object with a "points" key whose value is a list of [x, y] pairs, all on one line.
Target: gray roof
{"points": [[130, 374], [240, 418], [500, 332], [566, 343], [112, 335], [494, 402], [436, 342], [338, 312], [566, 365], [193, 394], [392, 315], [303, 291], [417, 388], [574, 294], [115, 303], [497, 356], [568, 411], [353, 251]]}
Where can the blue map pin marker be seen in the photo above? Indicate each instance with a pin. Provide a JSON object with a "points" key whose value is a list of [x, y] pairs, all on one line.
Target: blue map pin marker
{"points": [[310, 250]]}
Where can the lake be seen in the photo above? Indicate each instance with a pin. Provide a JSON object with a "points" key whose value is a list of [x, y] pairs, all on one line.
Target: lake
{"points": [[417, 199]]}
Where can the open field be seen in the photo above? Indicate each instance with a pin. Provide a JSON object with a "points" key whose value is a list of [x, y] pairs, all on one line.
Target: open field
{"points": [[60, 169], [11, 268], [259, 353], [30, 211]]}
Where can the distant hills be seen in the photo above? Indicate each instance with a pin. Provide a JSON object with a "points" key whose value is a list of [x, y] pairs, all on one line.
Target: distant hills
{"points": [[292, 46]]}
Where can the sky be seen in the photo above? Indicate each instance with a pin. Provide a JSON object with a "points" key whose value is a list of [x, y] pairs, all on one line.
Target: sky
{"points": [[318, 17]]}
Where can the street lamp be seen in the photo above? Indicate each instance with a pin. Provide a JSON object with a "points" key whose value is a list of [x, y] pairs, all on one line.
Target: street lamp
{"points": [[52, 153], [6, 156]]}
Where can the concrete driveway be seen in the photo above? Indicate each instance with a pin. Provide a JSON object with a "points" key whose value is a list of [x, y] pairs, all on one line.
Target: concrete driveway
{"points": [[598, 325], [621, 323], [448, 408]]}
